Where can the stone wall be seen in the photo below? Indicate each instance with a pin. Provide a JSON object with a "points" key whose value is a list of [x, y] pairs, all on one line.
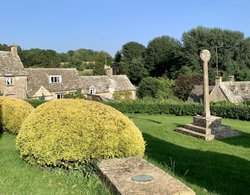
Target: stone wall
{"points": [[17, 90]]}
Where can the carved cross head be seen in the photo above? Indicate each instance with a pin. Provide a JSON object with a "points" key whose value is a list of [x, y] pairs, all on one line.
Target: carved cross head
{"points": [[205, 55]]}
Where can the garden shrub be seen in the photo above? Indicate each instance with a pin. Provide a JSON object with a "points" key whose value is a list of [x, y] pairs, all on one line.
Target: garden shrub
{"points": [[183, 108], [123, 95], [35, 102], [13, 113], [73, 132]]}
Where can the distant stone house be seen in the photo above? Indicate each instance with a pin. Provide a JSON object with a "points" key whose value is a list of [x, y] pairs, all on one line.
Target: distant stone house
{"points": [[51, 83], [233, 91], [107, 86], [54, 83], [13, 77]]}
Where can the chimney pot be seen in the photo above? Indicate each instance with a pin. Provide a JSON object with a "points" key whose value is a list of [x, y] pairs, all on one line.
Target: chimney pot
{"points": [[218, 81], [14, 50], [231, 78]]}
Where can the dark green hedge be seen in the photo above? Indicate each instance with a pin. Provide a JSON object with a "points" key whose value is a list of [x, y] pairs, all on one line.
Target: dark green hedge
{"points": [[181, 109], [35, 102]]}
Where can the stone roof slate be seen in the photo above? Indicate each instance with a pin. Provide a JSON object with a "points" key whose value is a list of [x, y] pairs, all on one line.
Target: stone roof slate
{"points": [[196, 94], [103, 83], [38, 77], [236, 91], [10, 64]]}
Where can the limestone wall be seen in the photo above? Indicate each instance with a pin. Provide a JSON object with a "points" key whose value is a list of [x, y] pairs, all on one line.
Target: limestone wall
{"points": [[17, 90]]}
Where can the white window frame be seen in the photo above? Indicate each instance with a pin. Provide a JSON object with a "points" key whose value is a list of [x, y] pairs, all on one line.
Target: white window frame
{"points": [[60, 95], [55, 78], [9, 81], [92, 90]]}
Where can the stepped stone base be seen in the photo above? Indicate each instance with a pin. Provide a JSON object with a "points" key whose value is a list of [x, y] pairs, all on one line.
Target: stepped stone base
{"points": [[120, 174], [207, 128]]}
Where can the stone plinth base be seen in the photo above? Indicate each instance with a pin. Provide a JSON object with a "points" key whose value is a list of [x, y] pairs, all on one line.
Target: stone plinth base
{"points": [[121, 175], [207, 122], [207, 128]]}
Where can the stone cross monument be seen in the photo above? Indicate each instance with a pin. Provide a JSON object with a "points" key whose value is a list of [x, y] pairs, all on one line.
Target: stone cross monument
{"points": [[205, 57]]}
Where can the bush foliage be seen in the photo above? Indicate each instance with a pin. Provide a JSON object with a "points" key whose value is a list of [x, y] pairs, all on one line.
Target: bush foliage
{"points": [[35, 102], [183, 108], [73, 132], [13, 113], [160, 88]]}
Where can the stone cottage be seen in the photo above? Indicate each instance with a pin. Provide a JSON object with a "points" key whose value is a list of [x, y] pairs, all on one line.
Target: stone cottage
{"points": [[51, 83], [107, 86], [54, 83], [233, 91], [13, 77]]}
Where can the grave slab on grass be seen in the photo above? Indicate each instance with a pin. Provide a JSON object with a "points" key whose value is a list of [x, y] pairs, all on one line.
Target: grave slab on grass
{"points": [[135, 175]]}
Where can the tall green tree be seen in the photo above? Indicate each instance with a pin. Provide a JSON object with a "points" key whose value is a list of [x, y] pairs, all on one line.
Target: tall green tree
{"points": [[101, 59], [228, 48], [162, 56], [131, 61]]}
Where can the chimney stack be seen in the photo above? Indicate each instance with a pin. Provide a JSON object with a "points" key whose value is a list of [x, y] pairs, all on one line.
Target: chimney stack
{"points": [[108, 70], [13, 49], [231, 78], [218, 81]]}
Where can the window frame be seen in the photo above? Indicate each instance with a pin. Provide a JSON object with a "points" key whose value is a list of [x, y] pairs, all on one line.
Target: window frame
{"points": [[9, 83], [55, 78]]}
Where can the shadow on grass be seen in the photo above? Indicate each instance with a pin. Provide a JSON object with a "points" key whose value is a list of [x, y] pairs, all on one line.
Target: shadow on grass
{"points": [[242, 140], [216, 172], [146, 119]]}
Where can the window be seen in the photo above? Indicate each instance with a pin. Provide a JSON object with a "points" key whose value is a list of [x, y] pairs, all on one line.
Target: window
{"points": [[92, 90], [9, 81], [55, 79], [59, 96]]}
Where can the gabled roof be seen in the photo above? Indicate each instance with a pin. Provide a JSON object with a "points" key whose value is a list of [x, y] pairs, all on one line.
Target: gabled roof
{"points": [[236, 91], [103, 83], [10, 64], [38, 77], [196, 94]]}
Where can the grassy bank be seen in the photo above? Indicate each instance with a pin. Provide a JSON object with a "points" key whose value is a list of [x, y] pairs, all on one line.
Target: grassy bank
{"points": [[216, 167], [18, 177]]}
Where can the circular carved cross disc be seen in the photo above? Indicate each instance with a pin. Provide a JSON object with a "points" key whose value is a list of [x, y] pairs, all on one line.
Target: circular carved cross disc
{"points": [[205, 55]]}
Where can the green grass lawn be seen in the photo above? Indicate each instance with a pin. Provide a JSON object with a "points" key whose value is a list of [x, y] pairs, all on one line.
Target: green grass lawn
{"points": [[215, 167], [17, 177]]}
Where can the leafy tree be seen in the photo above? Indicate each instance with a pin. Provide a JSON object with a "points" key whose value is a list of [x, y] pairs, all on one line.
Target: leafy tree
{"points": [[136, 70], [132, 50], [185, 84], [162, 56], [131, 61], [40, 58], [232, 50], [101, 59], [161, 88]]}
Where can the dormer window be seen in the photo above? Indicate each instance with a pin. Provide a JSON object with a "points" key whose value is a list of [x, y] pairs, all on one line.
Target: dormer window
{"points": [[9, 81], [55, 79], [92, 90]]}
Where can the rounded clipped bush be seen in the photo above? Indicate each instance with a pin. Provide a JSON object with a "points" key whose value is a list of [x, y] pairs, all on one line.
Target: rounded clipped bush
{"points": [[13, 112], [72, 132]]}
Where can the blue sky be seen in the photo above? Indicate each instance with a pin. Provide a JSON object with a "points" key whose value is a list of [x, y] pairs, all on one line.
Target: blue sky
{"points": [[106, 25]]}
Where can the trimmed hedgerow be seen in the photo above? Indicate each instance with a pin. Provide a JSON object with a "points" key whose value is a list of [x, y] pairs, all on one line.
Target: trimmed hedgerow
{"points": [[183, 108], [13, 113], [72, 132], [35, 102]]}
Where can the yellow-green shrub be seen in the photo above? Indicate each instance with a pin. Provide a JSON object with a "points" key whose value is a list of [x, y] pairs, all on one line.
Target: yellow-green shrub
{"points": [[74, 132], [12, 113]]}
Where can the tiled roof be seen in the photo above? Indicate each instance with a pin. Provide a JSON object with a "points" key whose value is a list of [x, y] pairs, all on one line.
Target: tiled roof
{"points": [[103, 83], [10, 64], [236, 91], [38, 77], [196, 94]]}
